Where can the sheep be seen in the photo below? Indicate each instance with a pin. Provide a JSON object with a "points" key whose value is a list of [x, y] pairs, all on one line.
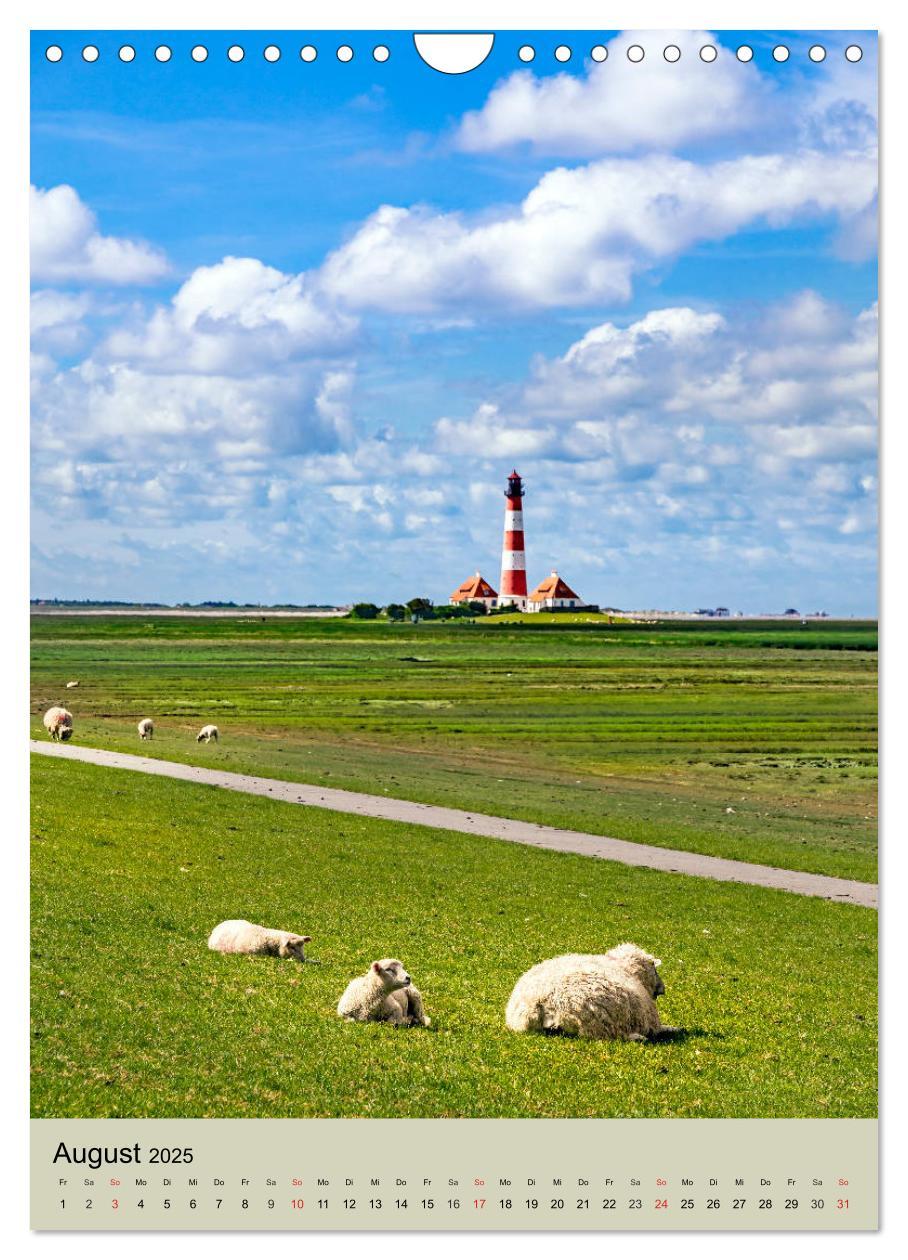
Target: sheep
{"points": [[146, 729], [591, 995], [208, 733], [58, 722], [70, 685], [384, 993], [238, 936]]}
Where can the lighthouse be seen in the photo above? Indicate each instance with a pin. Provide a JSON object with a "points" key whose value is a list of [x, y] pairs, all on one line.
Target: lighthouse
{"points": [[513, 588]]}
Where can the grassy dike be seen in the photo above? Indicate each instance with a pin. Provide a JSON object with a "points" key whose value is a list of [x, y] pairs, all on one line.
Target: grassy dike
{"points": [[133, 1016]]}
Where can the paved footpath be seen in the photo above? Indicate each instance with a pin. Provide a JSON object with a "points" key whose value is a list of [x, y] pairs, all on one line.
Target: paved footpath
{"points": [[542, 837]]}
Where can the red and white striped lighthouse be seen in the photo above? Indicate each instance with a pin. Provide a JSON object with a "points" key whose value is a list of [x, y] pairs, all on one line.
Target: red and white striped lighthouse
{"points": [[513, 587]]}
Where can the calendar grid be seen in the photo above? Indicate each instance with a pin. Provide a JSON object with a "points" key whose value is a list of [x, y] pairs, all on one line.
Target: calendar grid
{"points": [[464, 1175]]}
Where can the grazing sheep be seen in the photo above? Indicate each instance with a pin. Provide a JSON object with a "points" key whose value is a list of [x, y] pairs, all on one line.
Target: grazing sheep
{"points": [[70, 685], [591, 995], [237, 936], [58, 723], [384, 993], [208, 733], [146, 729]]}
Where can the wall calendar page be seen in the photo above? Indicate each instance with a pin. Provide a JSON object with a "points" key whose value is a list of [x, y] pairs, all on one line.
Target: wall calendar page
{"points": [[454, 630]]}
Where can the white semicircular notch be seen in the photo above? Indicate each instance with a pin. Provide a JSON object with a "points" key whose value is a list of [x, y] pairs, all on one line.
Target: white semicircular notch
{"points": [[455, 53]]}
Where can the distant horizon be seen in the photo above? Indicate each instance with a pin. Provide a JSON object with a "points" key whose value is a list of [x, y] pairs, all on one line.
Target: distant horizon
{"points": [[694, 610]]}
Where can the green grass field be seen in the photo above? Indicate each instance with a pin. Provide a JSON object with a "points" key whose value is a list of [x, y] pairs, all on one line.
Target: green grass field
{"points": [[746, 740], [133, 1016]]}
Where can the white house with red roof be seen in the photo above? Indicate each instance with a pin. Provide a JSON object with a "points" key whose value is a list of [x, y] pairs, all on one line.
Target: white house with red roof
{"points": [[475, 590], [553, 592]]}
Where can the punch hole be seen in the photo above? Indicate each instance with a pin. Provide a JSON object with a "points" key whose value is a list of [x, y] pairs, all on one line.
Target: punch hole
{"points": [[526, 52], [453, 52], [272, 53], [854, 52], [54, 53], [381, 52], [163, 53], [562, 53], [199, 53], [780, 53], [817, 53], [308, 53], [236, 53], [672, 53], [90, 53], [635, 53], [127, 53], [599, 52], [745, 53], [345, 53], [708, 52]]}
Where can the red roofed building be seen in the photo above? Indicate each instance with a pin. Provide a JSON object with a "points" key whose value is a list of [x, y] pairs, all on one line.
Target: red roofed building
{"points": [[475, 590], [553, 592]]}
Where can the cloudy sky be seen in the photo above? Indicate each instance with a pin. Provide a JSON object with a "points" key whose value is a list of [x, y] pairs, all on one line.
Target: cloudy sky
{"points": [[294, 323]]}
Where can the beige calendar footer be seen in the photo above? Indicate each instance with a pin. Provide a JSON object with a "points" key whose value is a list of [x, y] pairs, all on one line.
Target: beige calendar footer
{"points": [[454, 1174]]}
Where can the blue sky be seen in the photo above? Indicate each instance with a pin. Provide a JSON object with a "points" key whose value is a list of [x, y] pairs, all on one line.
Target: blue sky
{"points": [[294, 323]]}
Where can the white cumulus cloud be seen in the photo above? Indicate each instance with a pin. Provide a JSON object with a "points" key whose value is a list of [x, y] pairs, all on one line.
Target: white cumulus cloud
{"points": [[581, 234], [66, 245], [619, 105], [231, 318]]}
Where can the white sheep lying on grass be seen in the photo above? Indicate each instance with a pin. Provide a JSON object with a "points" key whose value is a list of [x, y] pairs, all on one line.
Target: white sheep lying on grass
{"points": [[58, 722], [384, 993], [591, 995], [70, 685], [146, 729], [238, 936], [208, 733]]}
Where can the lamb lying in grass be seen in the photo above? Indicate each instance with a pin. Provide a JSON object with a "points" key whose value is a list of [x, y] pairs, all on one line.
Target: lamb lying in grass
{"points": [[58, 722], [591, 995], [146, 729], [384, 993], [237, 936], [207, 733]]}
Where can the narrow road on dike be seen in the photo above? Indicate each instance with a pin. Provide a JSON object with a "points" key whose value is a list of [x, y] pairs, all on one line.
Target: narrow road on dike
{"points": [[542, 837]]}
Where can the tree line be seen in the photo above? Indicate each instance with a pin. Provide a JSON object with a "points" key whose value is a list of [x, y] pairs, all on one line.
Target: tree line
{"points": [[420, 609]]}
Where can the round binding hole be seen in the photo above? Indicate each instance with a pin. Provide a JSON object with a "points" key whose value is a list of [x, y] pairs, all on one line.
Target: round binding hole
{"points": [[345, 53], [54, 53], [817, 53], [235, 52], [709, 52], [308, 53], [272, 53], [672, 53], [381, 52], [90, 53], [562, 53], [127, 53], [199, 53], [745, 53], [635, 53], [599, 52], [854, 52], [526, 52], [780, 53], [162, 53]]}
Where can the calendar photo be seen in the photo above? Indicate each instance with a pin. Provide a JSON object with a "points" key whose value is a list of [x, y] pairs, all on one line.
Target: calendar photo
{"points": [[453, 614]]}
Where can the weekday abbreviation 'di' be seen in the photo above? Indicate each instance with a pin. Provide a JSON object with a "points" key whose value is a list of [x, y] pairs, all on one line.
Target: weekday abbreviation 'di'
{"points": [[513, 587]]}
